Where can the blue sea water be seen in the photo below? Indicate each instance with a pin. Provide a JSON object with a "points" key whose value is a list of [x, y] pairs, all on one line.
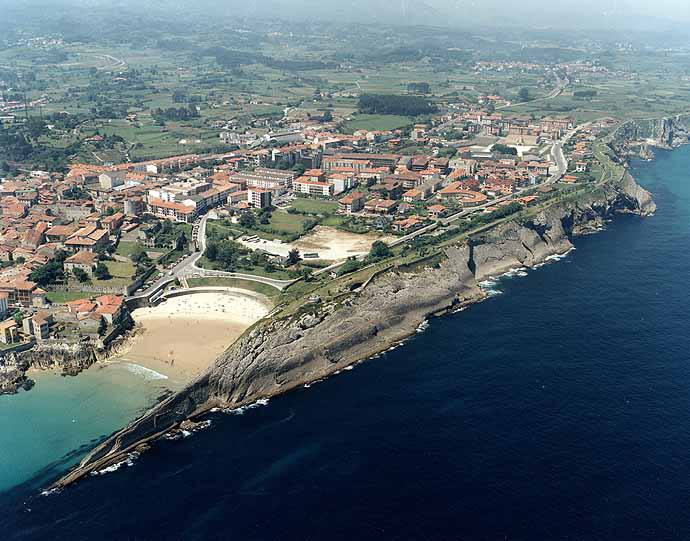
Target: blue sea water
{"points": [[47, 430], [559, 409]]}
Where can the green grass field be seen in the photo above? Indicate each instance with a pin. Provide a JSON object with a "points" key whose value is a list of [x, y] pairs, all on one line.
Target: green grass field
{"points": [[257, 287], [121, 274], [287, 223], [377, 122], [314, 206], [62, 297], [126, 248]]}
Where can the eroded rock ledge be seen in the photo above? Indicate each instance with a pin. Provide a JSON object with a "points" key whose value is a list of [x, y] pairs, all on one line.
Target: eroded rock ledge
{"points": [[279, 354]]}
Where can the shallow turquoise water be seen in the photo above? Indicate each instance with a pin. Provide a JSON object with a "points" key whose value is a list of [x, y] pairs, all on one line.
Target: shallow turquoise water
{"points": [[51, 426]]}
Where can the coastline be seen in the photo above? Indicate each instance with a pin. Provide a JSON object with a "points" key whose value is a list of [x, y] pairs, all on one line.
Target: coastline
{"points": [[177, 339], [182, 336], [281, 354]]}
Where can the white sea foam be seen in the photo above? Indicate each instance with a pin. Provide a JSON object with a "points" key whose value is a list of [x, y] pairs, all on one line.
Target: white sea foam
{"points": [[50, 492], [129, 461], [423, 326], [490, 287], [144, 372], [559, 257], [241, 410]]}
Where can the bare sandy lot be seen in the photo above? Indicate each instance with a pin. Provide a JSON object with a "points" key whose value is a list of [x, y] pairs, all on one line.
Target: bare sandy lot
{"points": [[182, 336], [331, 244]]}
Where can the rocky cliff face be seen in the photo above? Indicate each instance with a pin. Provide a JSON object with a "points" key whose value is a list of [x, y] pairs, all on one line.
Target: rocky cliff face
{"points": [[279, 354], [664, 133], [69, 358]]}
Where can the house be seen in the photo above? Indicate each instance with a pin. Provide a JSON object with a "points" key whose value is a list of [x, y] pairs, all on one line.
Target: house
{"points": [[8, 331], [411, 196], [83, 260], [24, 293], [89, 239], [407, 223], [38, 325], [4, 303], [381, 206], [436, 211], [110, 307], [351, 203], [60, 233], [113, 222], [581, 167]]}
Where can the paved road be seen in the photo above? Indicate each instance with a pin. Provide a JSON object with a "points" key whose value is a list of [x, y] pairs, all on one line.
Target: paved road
{"points": [[561, 84], [189, 268]]}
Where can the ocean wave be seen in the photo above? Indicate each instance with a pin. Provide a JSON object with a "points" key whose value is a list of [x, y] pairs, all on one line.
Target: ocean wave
{"points": [[179, 433], [559, 257], [128, 461], [144, 372], [490, 287], [517, 271], [242, 409], [423, 326]]}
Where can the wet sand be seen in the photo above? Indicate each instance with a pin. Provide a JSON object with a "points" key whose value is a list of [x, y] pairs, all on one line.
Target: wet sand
{"points": [[182, 336]]}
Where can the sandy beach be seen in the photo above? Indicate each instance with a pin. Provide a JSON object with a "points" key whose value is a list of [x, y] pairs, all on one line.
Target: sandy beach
{"points": [[182, 336]]}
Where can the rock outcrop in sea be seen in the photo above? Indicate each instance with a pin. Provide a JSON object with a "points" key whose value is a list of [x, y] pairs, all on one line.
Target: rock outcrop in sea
{"points": [[281, 353]]}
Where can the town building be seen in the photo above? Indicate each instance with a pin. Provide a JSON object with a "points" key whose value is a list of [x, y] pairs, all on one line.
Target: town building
{"points": [[111, 179], [83, 260], [351, 203], [310, 187], [259, 198], [8, 331]]}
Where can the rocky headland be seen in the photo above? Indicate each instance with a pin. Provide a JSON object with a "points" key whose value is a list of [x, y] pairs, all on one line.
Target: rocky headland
{"points": [[283, 352]]}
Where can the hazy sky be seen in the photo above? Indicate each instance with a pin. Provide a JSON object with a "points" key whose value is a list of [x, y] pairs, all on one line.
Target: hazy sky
{"points": [[558, 13]]}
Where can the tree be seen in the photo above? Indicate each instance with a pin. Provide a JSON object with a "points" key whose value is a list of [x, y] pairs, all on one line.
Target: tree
{"points": [[49, 273], [211, 252], [293, 257], [523, 95], [379, 250], [247, 220], [102, 326], [390, 104], [327, 116], [307, 273], [181, 242], [140, 257], [504, 149], [80, 275], [101, 272]]}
